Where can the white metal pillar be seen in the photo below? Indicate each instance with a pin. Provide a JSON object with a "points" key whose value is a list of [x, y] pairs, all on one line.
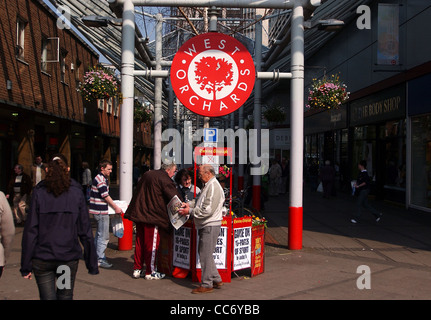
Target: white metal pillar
{"points": [[157, 156], [257, 111], [241, 165], [296, 128], [127, 86]]}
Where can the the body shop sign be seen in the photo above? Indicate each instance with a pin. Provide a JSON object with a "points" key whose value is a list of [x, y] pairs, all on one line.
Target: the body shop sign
{"points": [[212, 74]]}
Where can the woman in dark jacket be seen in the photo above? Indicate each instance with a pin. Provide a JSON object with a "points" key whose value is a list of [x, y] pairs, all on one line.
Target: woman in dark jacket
{"points": [[58, 221]]}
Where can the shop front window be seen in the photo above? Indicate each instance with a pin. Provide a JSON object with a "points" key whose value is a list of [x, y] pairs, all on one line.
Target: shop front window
{"points": [[364, 148], [344, 160], [421, 161], [311, 149], [395, 155]]}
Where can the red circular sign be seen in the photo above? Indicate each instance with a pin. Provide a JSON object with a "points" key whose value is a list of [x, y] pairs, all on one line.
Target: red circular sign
{"points": [[212, 74]]}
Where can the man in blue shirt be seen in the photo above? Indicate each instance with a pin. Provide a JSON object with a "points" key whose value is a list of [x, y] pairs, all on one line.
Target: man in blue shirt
{"points": [[99, 202]]}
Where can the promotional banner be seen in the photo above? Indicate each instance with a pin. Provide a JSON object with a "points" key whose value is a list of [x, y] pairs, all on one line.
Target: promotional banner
{"points": [[388, 34]]}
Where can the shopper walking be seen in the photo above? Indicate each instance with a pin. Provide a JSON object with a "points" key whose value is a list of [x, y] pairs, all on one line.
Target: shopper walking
{"points": [[363, 189], [38, 170], [207, 216], [99, 202], [275, 173], [58, 224], [327, 177], [148, 209], [7, 230], [86, 180], [19, 190], [285, 172]]}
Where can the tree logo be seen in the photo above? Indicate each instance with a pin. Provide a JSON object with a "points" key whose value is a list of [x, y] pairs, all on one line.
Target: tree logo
{"points": [[212, 74]]}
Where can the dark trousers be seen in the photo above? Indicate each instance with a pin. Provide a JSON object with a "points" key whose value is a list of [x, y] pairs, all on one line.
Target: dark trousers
{"points": [[51, 286], [327, 185], [362, 202]]}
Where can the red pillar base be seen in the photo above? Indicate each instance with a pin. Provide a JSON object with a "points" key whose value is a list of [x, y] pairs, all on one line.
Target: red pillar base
{"points": [[126, 242], [240, 183], [256, 197], [295, 228]]}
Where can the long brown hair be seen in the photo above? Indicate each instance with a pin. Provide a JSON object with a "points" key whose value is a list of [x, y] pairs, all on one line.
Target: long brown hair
{"points": [[57, 179]]}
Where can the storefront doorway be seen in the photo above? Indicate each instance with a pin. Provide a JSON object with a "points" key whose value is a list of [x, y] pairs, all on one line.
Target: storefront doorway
{"points": [[383, 146]]}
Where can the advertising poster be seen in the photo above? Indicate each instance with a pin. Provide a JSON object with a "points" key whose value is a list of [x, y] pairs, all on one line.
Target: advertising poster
{"points": [[258, 250], [241, 243], [182, 247]]}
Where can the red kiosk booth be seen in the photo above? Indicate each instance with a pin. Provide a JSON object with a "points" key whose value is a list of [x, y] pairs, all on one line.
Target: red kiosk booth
{"points": [[240, 244]]}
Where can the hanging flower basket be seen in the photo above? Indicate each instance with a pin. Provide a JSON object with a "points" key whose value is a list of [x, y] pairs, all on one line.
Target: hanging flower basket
{"points": [[141, 113], [275, 114], [99, 83], [327, 93]]}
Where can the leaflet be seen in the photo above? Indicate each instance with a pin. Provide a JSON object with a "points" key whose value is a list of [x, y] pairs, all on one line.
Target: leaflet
{"points": [[122, 204]]}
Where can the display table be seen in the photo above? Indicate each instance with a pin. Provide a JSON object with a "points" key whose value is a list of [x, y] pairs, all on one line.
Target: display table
{"points": [[240, 246]]}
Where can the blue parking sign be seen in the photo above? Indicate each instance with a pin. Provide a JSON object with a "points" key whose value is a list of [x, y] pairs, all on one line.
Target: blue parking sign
{"points": [[210, 135]]}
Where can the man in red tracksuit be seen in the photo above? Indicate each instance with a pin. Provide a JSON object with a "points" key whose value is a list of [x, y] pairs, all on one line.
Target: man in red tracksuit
{"points": [[148, 209]]}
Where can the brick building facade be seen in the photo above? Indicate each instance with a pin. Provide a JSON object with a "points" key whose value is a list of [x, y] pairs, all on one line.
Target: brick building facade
{"points": [[41, 109]]}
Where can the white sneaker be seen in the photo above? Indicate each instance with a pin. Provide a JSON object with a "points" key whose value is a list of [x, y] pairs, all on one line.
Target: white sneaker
{"points": [[103, 263], [155, 276], [353, 221], [136, 274]]}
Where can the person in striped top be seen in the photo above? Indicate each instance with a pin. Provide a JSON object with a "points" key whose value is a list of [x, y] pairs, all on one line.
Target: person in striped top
{"points": [[99, 202]]}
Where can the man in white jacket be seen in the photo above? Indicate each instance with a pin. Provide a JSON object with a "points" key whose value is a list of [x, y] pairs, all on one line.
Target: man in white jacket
{"points": [[207, 215]]}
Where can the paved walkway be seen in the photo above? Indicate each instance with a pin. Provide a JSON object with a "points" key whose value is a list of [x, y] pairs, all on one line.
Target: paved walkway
{"points": [[396, 252]]}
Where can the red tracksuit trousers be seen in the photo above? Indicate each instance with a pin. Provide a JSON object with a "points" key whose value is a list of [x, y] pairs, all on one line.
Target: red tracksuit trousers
{"points": [[146, 246]]}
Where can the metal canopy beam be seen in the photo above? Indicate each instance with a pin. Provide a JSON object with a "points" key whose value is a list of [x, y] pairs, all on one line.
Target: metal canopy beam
{"points": [[270, 4], [107, 40]]}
